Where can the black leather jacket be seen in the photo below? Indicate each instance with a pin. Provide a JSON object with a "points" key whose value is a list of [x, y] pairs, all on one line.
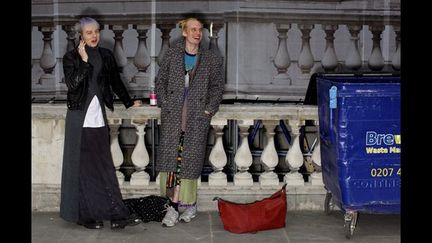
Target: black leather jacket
{"points": [[78, 73]]}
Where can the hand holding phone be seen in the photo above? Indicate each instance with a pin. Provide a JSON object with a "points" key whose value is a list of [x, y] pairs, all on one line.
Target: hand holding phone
{"points": [[81, 51]]}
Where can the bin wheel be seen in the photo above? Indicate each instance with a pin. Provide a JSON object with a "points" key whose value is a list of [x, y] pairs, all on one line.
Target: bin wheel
{"points": [[328, 203], [350, 223]]}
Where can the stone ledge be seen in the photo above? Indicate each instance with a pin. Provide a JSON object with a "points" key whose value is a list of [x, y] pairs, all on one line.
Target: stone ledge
{"points": [[46, 197]]}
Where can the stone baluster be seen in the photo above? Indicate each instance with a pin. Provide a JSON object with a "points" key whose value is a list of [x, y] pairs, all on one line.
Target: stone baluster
{"points": [[329, 60], [119, 53], [213, 45], [353, 60], [282, 59], [316, 176], [70, 36], [376, 59], [140, 157], [142, 57], [294, 156], [47, 59], [269, 156], [165, 29], [243, 156], [218, 157], [396, 61], [116, 152], [306, 59]]}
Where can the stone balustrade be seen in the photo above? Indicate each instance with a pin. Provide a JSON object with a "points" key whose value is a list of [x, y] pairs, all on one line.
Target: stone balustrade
{"points": [[48, 135], [270, 50]]}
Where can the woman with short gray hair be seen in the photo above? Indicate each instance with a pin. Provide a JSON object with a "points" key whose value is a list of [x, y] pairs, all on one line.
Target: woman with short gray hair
{"points": [[90, 191]]}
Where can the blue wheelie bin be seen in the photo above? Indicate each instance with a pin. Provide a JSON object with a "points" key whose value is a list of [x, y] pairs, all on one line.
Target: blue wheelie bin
{"points": [[359, 126]]}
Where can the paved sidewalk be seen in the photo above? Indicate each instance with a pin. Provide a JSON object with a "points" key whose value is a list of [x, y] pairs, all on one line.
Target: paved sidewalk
{"points": [[301, 227]]}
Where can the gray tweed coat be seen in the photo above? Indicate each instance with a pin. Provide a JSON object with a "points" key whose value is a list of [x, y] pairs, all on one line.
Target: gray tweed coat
{"points": [[205, 93]]}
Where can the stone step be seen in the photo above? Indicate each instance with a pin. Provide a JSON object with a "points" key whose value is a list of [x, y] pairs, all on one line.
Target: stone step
{"points": [[46, 198]]}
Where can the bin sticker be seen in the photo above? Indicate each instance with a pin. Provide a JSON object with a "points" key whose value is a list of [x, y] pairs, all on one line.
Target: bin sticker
{"points": [[380, 143], [332, 95]]}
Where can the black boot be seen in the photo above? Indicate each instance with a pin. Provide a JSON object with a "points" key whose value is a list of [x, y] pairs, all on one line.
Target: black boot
{"points": [[92, 224], [132, 220]]}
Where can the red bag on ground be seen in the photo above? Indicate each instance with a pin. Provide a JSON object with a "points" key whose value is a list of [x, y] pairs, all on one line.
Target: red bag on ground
{"points": [[265, 214]]}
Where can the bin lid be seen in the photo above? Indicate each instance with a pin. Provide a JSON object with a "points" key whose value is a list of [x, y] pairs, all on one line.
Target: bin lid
{"points": [[311, 92]]}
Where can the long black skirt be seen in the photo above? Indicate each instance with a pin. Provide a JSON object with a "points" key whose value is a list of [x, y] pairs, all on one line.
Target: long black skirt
{"points": [[99, 192]]}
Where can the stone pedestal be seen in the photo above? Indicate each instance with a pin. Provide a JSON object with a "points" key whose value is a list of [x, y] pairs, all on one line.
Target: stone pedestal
{"points": [[269, 178], [294, 179], [217, 179], [140, 178], [243, 179], [316, 179], [120, 177]]}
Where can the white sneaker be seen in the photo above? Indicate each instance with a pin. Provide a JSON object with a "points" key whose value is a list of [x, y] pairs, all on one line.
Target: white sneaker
{"points": [[171, 217], [188, 214]]}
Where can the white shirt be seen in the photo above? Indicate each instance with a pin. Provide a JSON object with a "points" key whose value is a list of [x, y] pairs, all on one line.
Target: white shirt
{"points": [[94, 116]]}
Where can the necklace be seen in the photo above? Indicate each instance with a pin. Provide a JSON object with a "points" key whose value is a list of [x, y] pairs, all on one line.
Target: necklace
{"points": [[193, 51]]}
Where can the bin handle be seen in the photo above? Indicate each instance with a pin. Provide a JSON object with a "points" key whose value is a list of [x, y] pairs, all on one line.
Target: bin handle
{"points": [[332, 106]]}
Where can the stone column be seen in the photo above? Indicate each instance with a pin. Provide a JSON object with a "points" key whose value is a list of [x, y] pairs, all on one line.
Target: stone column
{"points": [[294, 156], [165, 29], [269, 156], [70, 36], [116, 152], [213, 45], [306, 59], [376, 59], [316, 177], [119, 53], [140, 157], [142, 57], [47, 59], [243, 157], [396, 61], [353, 60], [329, 60], [218, 157], [282, 59]]}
